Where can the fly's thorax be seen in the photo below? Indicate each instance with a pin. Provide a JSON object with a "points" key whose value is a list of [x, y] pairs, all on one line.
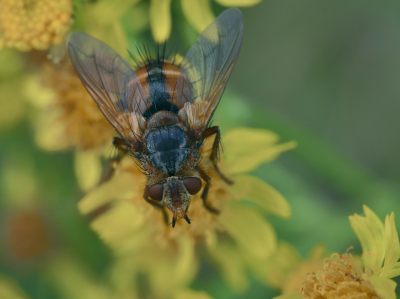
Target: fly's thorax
{"points": [[167, 148]]}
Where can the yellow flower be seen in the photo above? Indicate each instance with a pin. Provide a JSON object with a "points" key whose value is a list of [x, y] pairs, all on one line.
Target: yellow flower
{"points": [[137, 232], [34, 24], [197, 12], [74, 120], [341, 277], [345, 277], [13, 108]]}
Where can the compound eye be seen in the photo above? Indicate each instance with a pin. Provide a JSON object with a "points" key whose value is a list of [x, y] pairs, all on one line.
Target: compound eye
{"points": [[193, 185], [156, 191]]}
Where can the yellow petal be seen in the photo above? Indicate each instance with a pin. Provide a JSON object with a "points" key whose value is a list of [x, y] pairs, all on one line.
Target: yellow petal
{"points": [[175, 273], [9, 289], [370, 232], [395, 270], [105, 12], [198, 13], [392, 246], [237, 3], [385, 287], [36, 94], [88, 169], [12, 104], [256, 190], [230, 262], [19, 180], [275, 270], [11, 64], [49, 131], [318, 252], [313, 264], [290, 296], [119, 187], [73, 280], [160, 19], [118, 224], [249, 229], [247, 148], [190, 294], [211, 239], [185, 266], [112, 34], [136, 19]]}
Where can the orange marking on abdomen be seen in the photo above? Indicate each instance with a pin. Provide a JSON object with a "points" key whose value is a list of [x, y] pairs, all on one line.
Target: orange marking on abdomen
{"points": [[170, 76]]}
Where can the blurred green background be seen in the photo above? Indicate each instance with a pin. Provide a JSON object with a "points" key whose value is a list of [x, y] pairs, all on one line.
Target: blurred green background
{"points": [[325, 74]]}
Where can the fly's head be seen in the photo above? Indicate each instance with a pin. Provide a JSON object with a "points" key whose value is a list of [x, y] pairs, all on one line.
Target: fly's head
{"points": [[176, 193]]}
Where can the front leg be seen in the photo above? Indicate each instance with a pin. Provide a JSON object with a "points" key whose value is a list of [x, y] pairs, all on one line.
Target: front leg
{"points": [[121, 147], [214, 151], [204, 195]]}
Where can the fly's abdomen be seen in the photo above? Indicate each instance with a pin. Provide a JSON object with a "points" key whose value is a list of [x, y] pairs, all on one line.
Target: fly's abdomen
{"points": [[158, 79], [167, 148]]}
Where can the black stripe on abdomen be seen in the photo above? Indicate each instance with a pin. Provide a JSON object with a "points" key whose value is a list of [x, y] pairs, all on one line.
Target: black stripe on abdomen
{"points": [[158, 95]]}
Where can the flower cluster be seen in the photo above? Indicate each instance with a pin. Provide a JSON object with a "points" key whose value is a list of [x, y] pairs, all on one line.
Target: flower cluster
{"points": [[84, 126], [34, 24]]}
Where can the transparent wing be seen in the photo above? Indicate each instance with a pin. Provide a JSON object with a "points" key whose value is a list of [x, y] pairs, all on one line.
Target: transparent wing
{"points": [[207, 66], [111, 82]]}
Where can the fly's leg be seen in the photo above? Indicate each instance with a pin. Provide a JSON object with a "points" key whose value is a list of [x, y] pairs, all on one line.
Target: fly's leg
{"points": [[156, 204], [207, 179], [214, 151], [120, 145]]}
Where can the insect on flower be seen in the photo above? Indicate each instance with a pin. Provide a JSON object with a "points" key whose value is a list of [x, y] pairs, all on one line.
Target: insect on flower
{"points": [[162, 112]]}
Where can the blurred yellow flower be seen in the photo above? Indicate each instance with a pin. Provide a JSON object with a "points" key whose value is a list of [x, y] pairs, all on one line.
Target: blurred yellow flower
{"points": [[72, 279], [74, 120], [160, 19], [103, 20], [285, 269], [137, 232], [345, 277], [197, 12], [13, 106], [9, 289], [34, 24]]}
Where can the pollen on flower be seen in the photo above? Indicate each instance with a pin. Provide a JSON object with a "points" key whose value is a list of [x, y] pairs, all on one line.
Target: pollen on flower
{"points": [[341, 277], [34, 24], [85, 125]]}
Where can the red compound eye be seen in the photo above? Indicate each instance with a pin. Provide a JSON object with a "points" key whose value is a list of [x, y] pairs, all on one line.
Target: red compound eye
{"points": [[193, 185], [156, 191]]}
